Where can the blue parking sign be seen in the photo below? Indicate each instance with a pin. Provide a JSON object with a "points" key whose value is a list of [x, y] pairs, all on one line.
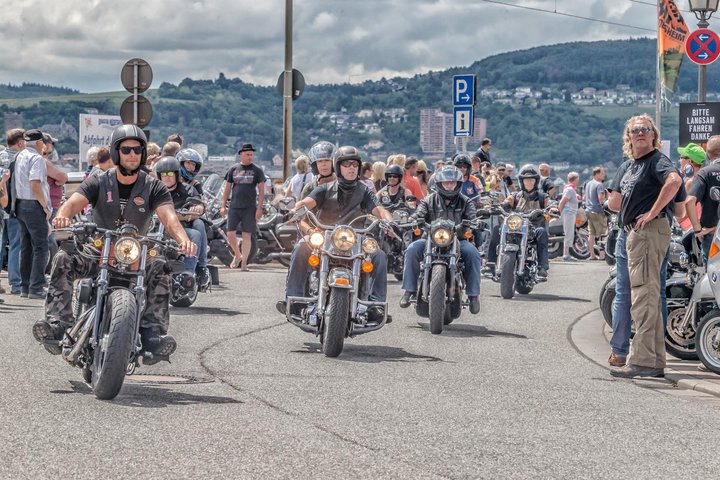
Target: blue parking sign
{"points": [[463, 90]]}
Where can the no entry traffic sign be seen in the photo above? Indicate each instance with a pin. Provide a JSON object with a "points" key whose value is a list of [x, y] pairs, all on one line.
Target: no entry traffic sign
{"points": [[702, 46]]}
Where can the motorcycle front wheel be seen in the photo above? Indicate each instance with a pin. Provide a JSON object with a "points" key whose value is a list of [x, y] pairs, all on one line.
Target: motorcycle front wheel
{"points": [[709, 352], [336, 319], [579, 249], [679, 344], [438, 292], [113, 352], [507, 277]]}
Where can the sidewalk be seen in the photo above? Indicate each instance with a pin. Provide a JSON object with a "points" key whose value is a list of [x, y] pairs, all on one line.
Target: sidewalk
{"points": [[591, 336]]}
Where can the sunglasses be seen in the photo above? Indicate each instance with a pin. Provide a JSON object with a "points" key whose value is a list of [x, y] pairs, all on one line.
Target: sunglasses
{"points": [[126, 150], [421, 172], [639, 130], [394, 176], [167, 174], [349, 163]]}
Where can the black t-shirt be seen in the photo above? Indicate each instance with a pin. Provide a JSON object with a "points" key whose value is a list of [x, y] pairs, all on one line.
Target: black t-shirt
{"points": [[706, 178], [184, 196], [546, 184], [244, 179], [348, 210], [159, 194], [639, 182]]}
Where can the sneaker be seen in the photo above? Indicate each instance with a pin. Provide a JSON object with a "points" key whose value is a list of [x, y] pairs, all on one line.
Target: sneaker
{"points": [[568, 258], [474, 304], [542, 272], [49, 334], [37, 295], [406, 298]]}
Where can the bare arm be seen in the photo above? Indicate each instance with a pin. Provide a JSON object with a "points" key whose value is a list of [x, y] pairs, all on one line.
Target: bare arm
{"points": [[168, 217], [261, 199], [225, 197], [691, 211], [55, 173], [615, 201], [380, 212], [69, 209]]}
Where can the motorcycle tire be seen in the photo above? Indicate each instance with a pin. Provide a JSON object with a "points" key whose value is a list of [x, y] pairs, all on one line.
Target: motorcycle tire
{"points": [[679, 345], [453, 310], [555, 250], [708, 355], [336, 319], [438, 294], [609, 260], [607, 297], [185, 301], [523, 288], [507, 277], [579, 249], [116, 333], [285, 262]]}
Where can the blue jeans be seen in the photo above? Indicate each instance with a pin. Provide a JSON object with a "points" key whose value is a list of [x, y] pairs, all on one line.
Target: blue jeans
{"points": [[191, 262], [621, 320], [11, 237], [414, 257], [299, 272], [34, 231], [202, 245]]}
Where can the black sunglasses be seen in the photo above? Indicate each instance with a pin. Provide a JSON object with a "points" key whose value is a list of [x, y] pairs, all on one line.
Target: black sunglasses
{"points": [[126, 150], [638, 130]]}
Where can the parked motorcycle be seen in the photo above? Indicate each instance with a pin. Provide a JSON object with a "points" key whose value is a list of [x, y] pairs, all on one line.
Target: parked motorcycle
{"points": [[275, 239], [608, 243], [105, 339], [556, 236], [337, 306], [441, 286], [517, 264]]}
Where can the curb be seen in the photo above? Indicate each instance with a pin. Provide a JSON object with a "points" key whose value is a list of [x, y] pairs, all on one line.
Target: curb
{"points": [[590, 336]]}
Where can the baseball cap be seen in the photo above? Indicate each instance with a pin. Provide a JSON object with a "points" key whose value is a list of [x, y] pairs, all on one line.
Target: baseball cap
{"points": [[694, 152], [33, 135]]}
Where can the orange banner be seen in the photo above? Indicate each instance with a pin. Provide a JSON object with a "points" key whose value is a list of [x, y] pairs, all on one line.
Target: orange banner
{"points": [[672, 32]]}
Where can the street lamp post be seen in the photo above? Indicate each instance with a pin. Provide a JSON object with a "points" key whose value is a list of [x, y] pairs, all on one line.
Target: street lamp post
{"points": [[703, 10]]}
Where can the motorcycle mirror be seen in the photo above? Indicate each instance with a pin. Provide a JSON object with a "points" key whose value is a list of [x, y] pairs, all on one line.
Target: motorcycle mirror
{"points": [[715, 194]]}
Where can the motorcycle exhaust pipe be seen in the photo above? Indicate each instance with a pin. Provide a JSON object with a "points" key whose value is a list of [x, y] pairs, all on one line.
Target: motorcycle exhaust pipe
{"points": [[72, 356]]}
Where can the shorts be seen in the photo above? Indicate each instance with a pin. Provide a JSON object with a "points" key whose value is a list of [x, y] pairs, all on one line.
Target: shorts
{"points": [[242, 220], [597, 224]]}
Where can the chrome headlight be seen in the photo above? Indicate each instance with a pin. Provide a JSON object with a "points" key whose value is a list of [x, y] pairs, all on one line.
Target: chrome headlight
{"points": [[127, 250], [316, 239], [343, 238], [442, 237], [514, 222], [369, 246]]}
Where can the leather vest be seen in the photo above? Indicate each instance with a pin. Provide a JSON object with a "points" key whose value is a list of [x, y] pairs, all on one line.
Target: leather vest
{"points": [[332, 212], [388, 200], [527, 202], [107, 212]]}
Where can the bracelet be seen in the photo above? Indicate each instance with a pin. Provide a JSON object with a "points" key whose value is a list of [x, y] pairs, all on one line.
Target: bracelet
{"points": [[697, 231]]}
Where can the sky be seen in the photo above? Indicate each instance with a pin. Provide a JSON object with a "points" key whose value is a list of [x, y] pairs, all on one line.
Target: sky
{"points": [[83, 44]]}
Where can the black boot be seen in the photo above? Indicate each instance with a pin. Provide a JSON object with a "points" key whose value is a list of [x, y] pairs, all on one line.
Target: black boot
{"points": [[49, 334], [405, 300], [474, 304], [159, 345]]}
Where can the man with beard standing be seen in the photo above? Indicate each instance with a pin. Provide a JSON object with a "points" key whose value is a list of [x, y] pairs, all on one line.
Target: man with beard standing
{"points": [[648, 185]]}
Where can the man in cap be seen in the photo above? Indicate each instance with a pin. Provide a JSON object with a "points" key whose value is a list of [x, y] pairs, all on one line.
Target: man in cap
{"points": [[33, 211], [246, 203], [699, 191], [11, 233]]}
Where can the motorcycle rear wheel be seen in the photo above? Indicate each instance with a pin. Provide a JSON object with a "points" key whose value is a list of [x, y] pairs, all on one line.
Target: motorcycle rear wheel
{"points": [[336, 320], [679, 345], [438, 293], [507, 277], [707, 353], [579, 249], [185, 301], [116, 334]]}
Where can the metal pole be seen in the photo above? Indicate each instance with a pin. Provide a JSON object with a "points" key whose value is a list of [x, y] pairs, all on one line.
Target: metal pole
{"points": [[287, 91], [703, 23], [658, 86], [135, 92]]}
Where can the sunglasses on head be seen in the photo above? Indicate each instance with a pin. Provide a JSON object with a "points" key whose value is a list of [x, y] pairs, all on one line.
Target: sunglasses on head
{"points": [[126, 150], [639, 130], [167, 174]]}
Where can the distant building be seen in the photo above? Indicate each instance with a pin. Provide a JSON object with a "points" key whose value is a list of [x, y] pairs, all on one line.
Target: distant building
{"points": [[436, 132]]}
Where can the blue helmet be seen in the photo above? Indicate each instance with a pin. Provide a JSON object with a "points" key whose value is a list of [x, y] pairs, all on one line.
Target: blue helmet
{"points": [[189, 155]]}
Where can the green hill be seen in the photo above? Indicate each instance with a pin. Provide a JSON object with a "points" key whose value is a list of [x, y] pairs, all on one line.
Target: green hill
{"points": [[223, 112]]}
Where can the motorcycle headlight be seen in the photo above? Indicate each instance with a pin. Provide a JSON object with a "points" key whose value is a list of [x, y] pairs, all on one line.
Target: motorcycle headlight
{"points": [[442, 237], [316, 239], [127, 251], [343, 239], [514, 222], [369, 246]]}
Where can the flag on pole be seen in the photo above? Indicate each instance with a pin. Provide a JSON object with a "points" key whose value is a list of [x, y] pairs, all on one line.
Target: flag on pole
{"points": [[672, 32]]}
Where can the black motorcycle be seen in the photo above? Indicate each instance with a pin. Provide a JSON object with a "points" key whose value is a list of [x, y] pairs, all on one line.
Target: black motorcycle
{"points": [[104, 341], [396, 242], [275, 238], [441, 284]]}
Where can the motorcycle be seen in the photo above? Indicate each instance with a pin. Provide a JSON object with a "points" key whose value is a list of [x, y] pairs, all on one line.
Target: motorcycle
{"points": [[556, 236], [608, 243], [395, 243], [687, 293], [336, 307], [104, 341], [517, 264], [275, 239], [441, 284]]}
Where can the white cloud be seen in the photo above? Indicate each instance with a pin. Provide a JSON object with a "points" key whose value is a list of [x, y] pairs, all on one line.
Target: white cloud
{"points": [[84, 43]]}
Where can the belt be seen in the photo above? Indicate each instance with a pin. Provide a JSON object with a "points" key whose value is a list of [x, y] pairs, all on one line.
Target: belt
{"points": [[631, 226]]}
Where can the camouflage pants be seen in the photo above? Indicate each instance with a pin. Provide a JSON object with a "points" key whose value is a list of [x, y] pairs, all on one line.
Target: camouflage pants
{"points": [[68, 268]]}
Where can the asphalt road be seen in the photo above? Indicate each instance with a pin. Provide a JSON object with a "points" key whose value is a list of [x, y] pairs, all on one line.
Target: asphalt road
{"points": [[503, 394]]}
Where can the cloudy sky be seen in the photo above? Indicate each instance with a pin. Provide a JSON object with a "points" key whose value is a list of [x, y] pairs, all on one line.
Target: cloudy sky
{"points": [[83, 44]]}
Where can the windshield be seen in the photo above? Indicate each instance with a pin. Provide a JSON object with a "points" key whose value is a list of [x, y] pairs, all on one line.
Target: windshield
{"points": [[212, 184]]}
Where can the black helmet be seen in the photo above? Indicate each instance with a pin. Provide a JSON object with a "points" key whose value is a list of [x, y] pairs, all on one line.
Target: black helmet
{"points": [[127, 132], [529, 171], [448, 173], [167, 164], [323, 150], [394, 170], [462, 159], [347, 153]]}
